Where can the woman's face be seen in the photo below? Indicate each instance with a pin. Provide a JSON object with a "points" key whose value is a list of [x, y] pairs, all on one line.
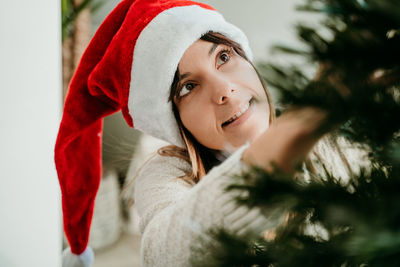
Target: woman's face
{"points": [[221, 100]]}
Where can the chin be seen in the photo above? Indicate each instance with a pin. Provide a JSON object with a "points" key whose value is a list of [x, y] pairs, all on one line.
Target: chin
{"points": [[241, 141], [250, 135]]}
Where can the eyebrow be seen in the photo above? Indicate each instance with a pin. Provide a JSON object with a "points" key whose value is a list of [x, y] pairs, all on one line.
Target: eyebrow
{"points": [[212, 49], [183, 76]]}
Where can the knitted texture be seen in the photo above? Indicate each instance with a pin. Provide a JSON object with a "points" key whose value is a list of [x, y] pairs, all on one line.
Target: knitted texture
{"points": [[174, 215]]}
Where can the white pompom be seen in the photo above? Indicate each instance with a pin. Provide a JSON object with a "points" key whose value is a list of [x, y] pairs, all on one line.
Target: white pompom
{"points": [[70, 259]]}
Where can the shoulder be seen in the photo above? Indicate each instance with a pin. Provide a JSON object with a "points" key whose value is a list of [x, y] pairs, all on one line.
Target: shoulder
{"points": [[159, 167], [158, 185], [161, 171]]}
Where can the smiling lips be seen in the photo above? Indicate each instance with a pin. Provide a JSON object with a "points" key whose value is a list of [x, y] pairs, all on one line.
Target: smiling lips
{"points": [[237, 115]]}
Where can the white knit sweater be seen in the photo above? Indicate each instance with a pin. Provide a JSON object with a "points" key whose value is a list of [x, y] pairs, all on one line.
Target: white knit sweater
{"points": [[174, 214]]}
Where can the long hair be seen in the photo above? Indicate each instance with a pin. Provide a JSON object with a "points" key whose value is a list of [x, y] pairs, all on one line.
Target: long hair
{"points": [[201, 158]]}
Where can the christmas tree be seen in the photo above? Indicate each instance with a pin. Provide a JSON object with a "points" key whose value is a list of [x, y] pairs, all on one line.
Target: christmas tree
{"points": [[357, 49]]}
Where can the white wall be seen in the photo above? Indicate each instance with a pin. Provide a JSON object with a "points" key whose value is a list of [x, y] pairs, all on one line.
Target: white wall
{"points": [[30, 108]]}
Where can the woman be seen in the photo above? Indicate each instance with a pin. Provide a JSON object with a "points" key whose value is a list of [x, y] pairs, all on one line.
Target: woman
{"points": [[214, 77], [179, 72]]}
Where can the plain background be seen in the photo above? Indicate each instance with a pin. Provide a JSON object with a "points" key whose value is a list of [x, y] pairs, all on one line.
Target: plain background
{"points": [[30, 105]]}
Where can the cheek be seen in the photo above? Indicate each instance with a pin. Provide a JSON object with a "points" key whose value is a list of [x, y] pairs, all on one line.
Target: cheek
{"points": [[253, 79], [247, 76], [189, 118], [199, 121], [196, 118]]}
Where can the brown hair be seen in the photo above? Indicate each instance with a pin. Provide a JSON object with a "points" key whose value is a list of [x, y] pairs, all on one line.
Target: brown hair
{"points": [[200, 157]]}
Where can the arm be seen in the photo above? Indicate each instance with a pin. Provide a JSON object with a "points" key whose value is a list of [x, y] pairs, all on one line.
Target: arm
{"points": [[175, 216]]}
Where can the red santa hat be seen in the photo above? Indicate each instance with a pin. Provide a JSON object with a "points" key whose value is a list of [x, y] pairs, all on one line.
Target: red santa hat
{"points": [[129, 65]]}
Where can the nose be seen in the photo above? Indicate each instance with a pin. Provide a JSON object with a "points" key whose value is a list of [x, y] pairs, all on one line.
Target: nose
{"points": [[222, 90]]}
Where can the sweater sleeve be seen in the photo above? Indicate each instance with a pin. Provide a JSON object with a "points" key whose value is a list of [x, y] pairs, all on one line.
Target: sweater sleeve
{"points": [[175, 215]]}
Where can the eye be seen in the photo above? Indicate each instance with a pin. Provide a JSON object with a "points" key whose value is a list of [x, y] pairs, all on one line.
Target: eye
{"points": [[186, 88], [223, 57]]}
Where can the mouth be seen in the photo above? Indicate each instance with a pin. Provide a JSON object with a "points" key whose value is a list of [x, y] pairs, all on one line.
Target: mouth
{"points": [[237, 115]]}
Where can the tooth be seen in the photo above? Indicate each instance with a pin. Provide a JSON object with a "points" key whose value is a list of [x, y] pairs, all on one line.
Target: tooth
{"points": [[243, 110]]}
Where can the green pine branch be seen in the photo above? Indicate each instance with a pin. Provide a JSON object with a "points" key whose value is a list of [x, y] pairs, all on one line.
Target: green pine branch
{"points": [[358, 83]]}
